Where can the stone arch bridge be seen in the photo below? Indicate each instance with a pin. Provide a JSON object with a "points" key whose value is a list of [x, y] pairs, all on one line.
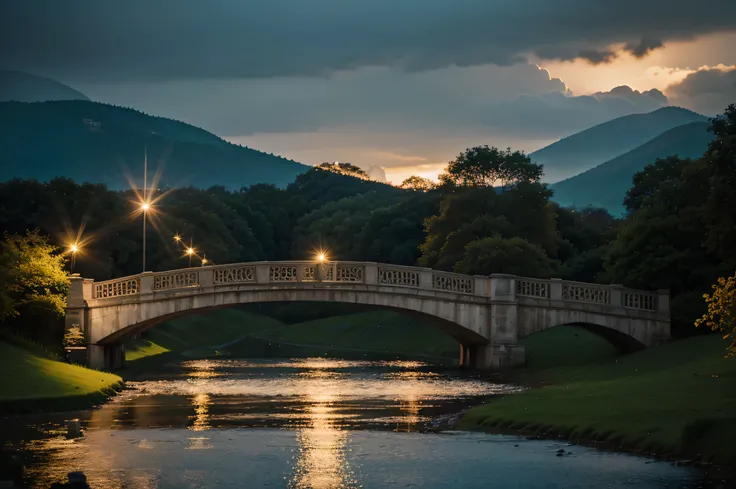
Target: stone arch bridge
{"points": [[486, 314]]}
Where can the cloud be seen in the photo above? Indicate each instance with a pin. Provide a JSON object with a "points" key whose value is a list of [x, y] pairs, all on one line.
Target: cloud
{"points": [[708, 90], [520, 101], [643, 47], [191, 39]]}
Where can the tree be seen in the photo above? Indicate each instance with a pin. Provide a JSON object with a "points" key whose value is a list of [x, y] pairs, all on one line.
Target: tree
{"points": [[484, 166], [498, 255], [31, 275], [345, 169], [647, 181], [719, 165], [418, 184], [721, 315]]}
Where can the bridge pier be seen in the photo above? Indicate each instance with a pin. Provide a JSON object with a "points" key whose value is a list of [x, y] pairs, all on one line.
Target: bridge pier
{"points": [[106, 357]]}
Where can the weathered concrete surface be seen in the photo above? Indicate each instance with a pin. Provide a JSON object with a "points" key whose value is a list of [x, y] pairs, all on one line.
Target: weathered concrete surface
{"points": [[487, 315]]}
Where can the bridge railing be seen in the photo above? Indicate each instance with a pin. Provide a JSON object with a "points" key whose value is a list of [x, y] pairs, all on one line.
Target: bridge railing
{"points": [[583, 292], [118, 287], [344, 272]]}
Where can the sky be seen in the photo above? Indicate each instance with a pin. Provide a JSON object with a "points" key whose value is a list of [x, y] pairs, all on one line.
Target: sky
{"points": [[406, 85]]}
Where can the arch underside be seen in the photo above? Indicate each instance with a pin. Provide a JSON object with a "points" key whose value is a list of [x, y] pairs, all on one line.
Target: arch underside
{"points": [[465, 322], [626, 333]]}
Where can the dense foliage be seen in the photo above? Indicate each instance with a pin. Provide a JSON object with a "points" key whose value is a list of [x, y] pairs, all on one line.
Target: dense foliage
{"points": [[491, 213], [721, 314], [33, 285]]}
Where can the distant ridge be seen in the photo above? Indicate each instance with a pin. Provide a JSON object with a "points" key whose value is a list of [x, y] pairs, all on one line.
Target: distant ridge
{"points": [[600, 143], [606, 185], [23, 87], [100, 143]]}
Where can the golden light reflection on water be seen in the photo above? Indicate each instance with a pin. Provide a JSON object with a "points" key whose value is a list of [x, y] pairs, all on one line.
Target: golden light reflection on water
{"points": [[201, 403], [322, 398], [321, 461]]}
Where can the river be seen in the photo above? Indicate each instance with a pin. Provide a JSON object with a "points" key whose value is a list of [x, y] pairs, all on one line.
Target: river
{"points": [[311, 423]]}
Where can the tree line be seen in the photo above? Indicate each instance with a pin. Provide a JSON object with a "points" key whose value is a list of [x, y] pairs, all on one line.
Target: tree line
{"points": [[489, 213]]}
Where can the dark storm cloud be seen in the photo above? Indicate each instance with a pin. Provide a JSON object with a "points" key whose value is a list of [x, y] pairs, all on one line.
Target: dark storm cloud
{"points": [[177, 39], [708, 90], [643, 47]]}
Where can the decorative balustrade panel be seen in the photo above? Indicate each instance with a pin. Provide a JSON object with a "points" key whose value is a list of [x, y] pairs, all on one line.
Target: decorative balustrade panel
{"points": [[236, 275], [586, 293], [117, 288], [453, 283], [308, 274], [177, 280], [532, 288], [283, 273], [640, 300], [349, 273], [396, 276]]}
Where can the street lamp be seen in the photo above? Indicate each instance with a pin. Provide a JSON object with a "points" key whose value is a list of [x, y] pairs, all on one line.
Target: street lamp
{"points": [[204, 260], [318, 268], [190, 252], [73, 248], [145, 203], [145, 207]]}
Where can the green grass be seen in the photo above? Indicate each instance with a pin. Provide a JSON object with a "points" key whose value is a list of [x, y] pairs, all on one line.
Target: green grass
{"points": [[381, 331], [31, 382], [203, 335], [198, 335], [676, 399]]}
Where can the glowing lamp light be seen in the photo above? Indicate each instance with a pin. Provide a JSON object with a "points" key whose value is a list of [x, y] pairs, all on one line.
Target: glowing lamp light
{"points": [[321, 257], [190, 251], [145, 206], [177, 238], [74, 248]]}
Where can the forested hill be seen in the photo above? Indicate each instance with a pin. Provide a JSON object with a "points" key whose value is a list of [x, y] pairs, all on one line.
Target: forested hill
{"points": [[100, 143]]}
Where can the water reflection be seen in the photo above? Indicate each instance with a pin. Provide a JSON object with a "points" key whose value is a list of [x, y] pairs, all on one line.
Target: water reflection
{"points": [[212, 426], [321, 459], [201, 403]]}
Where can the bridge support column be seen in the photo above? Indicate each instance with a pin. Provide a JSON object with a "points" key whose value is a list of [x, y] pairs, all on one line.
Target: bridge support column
{"points": [[107, 357], [504, 349], [494, 357]]}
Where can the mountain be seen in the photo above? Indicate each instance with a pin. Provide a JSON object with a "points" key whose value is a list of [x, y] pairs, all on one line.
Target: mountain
{"points": [[606, 184], [22, 87], [100, 143], [600, 143]]}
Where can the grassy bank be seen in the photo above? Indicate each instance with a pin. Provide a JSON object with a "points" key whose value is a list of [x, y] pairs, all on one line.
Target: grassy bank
{"points": [[32, 382], [375, 331], [678, 399], [243, 333]]}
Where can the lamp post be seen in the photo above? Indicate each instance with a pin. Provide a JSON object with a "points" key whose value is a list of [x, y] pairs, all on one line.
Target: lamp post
{"points": [[73, 250], [204, 260], [145, 204], [190, 252]]}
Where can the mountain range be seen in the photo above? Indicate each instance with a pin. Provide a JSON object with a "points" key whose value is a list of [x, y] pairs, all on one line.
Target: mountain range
{"points": [[605, 185], [603, 142], [23, 87], [94, 142], [51, 130]]}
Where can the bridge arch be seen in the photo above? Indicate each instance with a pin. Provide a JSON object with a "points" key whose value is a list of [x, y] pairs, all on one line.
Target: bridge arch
{"points": [[487, 315], [459, 320]]}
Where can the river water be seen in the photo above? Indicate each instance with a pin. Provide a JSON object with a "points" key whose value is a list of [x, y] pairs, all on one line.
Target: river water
{"points": [[311, 423]]}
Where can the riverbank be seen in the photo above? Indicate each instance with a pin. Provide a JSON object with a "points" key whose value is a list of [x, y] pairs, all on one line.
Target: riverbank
{"points": [[32, 382], [677, 400]]}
